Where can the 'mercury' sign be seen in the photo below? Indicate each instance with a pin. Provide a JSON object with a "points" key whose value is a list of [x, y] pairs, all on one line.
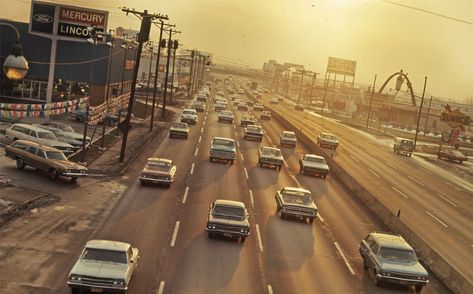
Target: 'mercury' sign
{"points": [[454, 118]]}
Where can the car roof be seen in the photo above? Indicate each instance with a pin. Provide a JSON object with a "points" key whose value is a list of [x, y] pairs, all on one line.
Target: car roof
{"points": [[108, 245], [34, 144], [32, 127], [314, 156], [327, 134], [297, 189], [288, 132], [159, 159], [401, 138], [390, 240], [271, 148], [223, 138], [229, 203]]}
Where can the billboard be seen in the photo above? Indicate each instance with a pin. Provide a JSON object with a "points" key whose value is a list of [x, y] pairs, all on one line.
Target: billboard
{"points": [[65, 22], [341, 66]]}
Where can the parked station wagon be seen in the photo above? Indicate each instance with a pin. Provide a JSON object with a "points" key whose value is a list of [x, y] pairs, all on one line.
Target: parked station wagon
{"points": [[391, 259]]}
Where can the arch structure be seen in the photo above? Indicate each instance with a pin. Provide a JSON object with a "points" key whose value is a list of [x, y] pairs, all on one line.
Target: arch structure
{"points": [[409, 85]]}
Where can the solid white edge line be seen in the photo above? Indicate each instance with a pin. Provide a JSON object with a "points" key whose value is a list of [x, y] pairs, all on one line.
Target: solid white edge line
{"points": [[196, 151], [373, 172], [458, 189], [252, 199], [246, 173], [184, 198], [437, 219], [200, 139], [444, 198], [354, 158], [422, 184], [161, 287], [258, 235], [270, 289], [390, 165], [344, 258], [286, 165], [174, 234], [319, 216], [295, 180], [192, 169], [404, 195]]}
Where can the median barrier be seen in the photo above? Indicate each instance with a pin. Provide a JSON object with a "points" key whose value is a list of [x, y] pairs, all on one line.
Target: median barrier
{"points": [[454, 280]]}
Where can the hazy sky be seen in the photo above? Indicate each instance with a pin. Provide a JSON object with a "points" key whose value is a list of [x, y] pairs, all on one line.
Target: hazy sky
{"points": [[380, 36]]}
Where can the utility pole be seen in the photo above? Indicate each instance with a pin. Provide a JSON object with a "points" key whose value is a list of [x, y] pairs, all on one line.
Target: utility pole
{"points": [[169, 45], [300, 86], [107, 90], [420, 112], [150, 43], [156, 72], [190, 74], [428, 113], [314, 79], [325, 94], [143, 36], [175, 45], [196, 71], [371, 100]]}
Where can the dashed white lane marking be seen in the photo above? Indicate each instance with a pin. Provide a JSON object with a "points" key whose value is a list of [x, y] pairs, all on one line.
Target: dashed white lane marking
{"points": [[174, 234], [234, 127], [373, 172], [192, 168], [238, 143], [246, 173], [202, 130], [200, 138], [252, 199], [339, 148], [354, 158], [236, 134], [402, 194], [445, 198], [184, 198], [241, 155], [258, 235], [286, 165], [420, 183], [270, 289], [372, 154], [450, 184], [319, 216], [295, 180], [203, 124], [196, 151], [161, 287], [437, 219], [390, 165], [429, 172], [344, 258]]}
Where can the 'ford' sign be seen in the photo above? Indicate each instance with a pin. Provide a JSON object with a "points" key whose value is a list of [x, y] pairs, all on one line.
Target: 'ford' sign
{"points": [[42, 20]]}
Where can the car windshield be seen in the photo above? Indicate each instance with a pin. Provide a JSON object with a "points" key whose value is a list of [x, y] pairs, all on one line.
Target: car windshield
{"points": [[272, 152], [398, 254], [46, 135], [188, 112], [221, 142], [229, 212], [226, 113], [104, 255], [329, 137], [58, 155], [297, 197], [180, 125], [289, 135], [158, 165], [407, 143], [253, 128], [315, 159]]}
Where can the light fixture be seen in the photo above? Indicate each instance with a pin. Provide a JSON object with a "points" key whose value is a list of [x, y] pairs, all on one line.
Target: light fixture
{"points": [[15, 66]]}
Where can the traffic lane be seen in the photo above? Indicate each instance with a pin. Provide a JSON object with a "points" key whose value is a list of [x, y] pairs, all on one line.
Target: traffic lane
{"points": [[196, 263]]}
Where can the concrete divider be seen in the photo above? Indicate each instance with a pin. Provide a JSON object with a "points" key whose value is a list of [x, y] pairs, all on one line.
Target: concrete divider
{"points": [[454, 280]]}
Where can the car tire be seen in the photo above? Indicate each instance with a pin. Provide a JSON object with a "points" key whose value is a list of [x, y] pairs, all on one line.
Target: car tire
{"points": [[53, 174], [20, 163], [324, 176], [281, 215], [211, 235], [231, 162], [419, 288], [242, 239], [75, 290], [14, 139], [211, 159], [377, 281], [74, 180], [311, 220]]}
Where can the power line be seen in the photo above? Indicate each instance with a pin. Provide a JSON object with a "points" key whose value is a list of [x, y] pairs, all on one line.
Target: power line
{"points": [[429, 12]]}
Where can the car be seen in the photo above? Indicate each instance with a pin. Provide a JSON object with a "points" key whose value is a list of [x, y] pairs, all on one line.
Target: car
{"points": [[104, 265], [235, 97], [311, 164], [288, 138], [299, 107], [158, 171], [199, 106], [274, 100], [296, 202], [403, 146], [250, 103], [220, 106], [222, 148], [391, 259], [254, 132], [247, 120], [266, 115], [65, 133], [229, 219], [258, 107], [242, 106], [45, 158], [201, 98], [179, 129], [236, 102], [327, 140], [81, 114], [225, 116], [270, 156], [39, 135], [189, 116], [451, 154]]}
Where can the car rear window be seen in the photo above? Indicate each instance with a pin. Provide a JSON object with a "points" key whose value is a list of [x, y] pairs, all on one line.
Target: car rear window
{"points": [[105, 255], [228, 212], [221, 142]]}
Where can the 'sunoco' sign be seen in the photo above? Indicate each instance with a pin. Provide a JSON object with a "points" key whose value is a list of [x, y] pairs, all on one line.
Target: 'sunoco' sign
{"points": [[454, 118]]}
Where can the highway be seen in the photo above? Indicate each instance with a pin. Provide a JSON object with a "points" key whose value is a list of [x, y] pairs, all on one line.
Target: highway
{"points": [[168, 225]]}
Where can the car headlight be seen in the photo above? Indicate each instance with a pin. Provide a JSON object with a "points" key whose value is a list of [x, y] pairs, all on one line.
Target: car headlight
{"points": [[75, 278], [119, 282], [211, 226], [143, 176], [244, 230]]}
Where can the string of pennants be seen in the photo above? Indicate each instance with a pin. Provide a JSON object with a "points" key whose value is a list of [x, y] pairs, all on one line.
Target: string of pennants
{"points": [[98, 113]]}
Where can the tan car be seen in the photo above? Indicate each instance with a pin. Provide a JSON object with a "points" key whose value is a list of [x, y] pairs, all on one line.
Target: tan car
{"points": [[158, 171], [45, 158]]}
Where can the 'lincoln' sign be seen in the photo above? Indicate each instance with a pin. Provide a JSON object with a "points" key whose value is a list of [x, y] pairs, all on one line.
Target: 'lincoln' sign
{"points": [[454, 118], [66, 22]]}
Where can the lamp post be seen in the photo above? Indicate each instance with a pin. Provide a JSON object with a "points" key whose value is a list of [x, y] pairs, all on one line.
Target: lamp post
{"points": [[169, 46], [371, 101], [149, 75], [190, 74], [175, 46], [15, 66]]}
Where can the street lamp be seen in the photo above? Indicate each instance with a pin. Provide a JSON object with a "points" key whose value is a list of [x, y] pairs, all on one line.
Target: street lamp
{"points": [[15, 66]]}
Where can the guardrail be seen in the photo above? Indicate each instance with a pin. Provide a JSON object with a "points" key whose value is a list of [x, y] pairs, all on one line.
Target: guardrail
{"points": [[454, 280]]}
